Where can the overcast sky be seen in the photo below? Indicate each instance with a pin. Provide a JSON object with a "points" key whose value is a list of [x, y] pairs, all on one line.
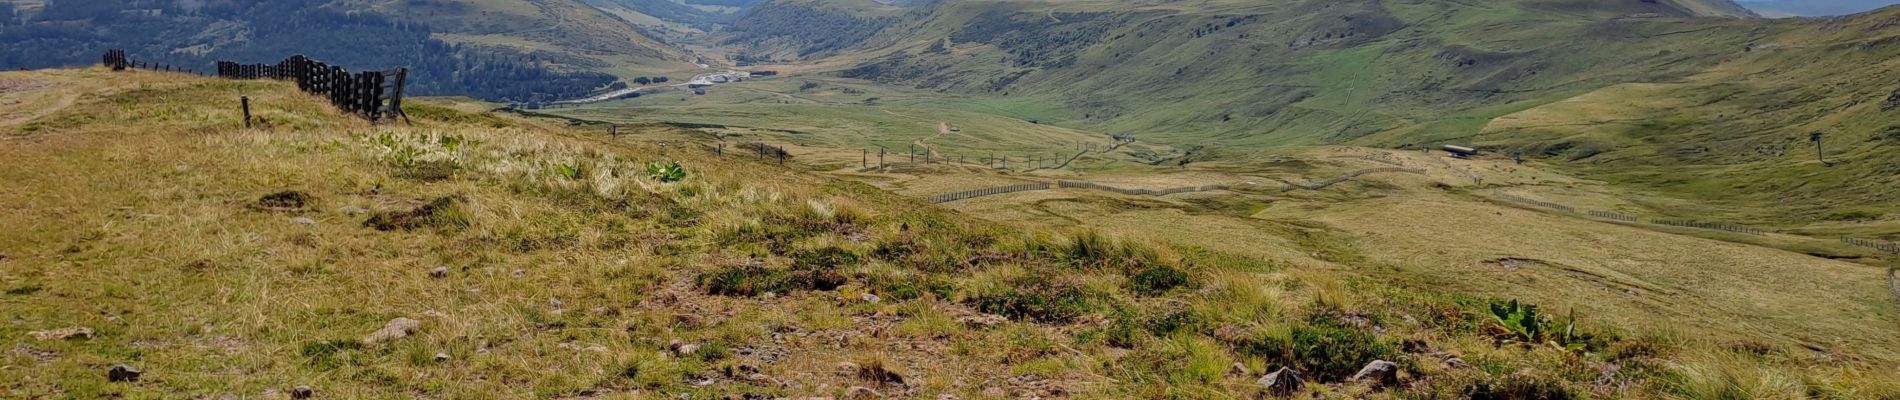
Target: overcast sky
{"points": [[1813, 7]]}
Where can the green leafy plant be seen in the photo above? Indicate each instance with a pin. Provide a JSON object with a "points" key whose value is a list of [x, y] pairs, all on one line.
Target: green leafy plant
{"points": [[666, 172], [1518, 321], [1521, 323], [569, 171], [452, 143]]}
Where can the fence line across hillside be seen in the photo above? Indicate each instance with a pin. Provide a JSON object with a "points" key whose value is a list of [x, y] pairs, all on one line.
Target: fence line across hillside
{"points": [[374, 95], [118, 60], [968, 194], [1613, 216], [1889, 247], [1290, 186]]}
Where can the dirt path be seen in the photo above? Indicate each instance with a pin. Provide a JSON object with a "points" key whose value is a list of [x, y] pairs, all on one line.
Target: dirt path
{"points": [[26, 100]]}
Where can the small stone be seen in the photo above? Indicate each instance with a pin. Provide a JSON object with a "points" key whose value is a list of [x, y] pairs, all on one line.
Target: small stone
{"points": [[984, 321], [439, 272], [301, 392], [1380, 373], [304, 221], [123, 373], [848, 368], [860, 392], [441, 357], [1456, 363], [1282, 382], [688, 349], [1239, 369], [871, 298], [520, 273], [78, 332], [556, 303], [396, 329]]}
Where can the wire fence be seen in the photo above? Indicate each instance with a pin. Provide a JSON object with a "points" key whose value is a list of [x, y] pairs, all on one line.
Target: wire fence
{"points": [[945, 198], [1615, 216], [1888, 247], [1743, 229], [1290, 186], [1536, 203]]}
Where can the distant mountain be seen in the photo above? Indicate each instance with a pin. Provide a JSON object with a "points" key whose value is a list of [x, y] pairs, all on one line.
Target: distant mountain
{"points": [[1252, 73], [532, 50], [1814, 8]]}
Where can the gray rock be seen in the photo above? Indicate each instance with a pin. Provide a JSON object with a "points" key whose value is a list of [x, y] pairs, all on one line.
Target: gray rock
{"points": [[440, 272], [304, 221], [441, 357], [396, 329], [1282, 382], [860, 392], [123, 373], [1380, 373]]}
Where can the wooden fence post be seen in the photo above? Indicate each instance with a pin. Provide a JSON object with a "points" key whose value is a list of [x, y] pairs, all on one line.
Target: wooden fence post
{"points": [[246, 100]]}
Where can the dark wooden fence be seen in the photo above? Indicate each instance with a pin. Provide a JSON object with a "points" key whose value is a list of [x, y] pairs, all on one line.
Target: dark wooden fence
{"points": [[117, 60], [375, 95]]}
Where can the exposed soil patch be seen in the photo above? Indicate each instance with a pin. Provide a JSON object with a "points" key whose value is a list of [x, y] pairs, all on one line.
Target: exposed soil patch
{"points": [[443, 213], [1512, 264], [289, 200]]}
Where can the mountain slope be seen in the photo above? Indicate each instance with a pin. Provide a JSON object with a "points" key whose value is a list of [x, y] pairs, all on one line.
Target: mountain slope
{"points": [[568, 27], [1252, 74], [1739, 134]]}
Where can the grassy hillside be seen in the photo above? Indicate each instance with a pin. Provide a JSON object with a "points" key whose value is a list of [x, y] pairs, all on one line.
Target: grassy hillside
{"points": [[571, 28], [510, 258], [1250, 74], [1737, 137]]}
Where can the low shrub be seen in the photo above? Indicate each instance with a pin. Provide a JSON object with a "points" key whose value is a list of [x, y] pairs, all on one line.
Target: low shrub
{"points": [[1518, 387], [744, 280], [441, 213], [1036, 298], [909, 287], [1325, 350], [1155, 280]]}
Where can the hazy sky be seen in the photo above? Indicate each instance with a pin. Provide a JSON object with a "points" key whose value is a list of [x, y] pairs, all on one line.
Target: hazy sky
{"points": [[1813, 7]]}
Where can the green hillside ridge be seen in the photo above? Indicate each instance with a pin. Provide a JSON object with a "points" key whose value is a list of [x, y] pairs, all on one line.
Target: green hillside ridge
{"points": [[1739, 134]]}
